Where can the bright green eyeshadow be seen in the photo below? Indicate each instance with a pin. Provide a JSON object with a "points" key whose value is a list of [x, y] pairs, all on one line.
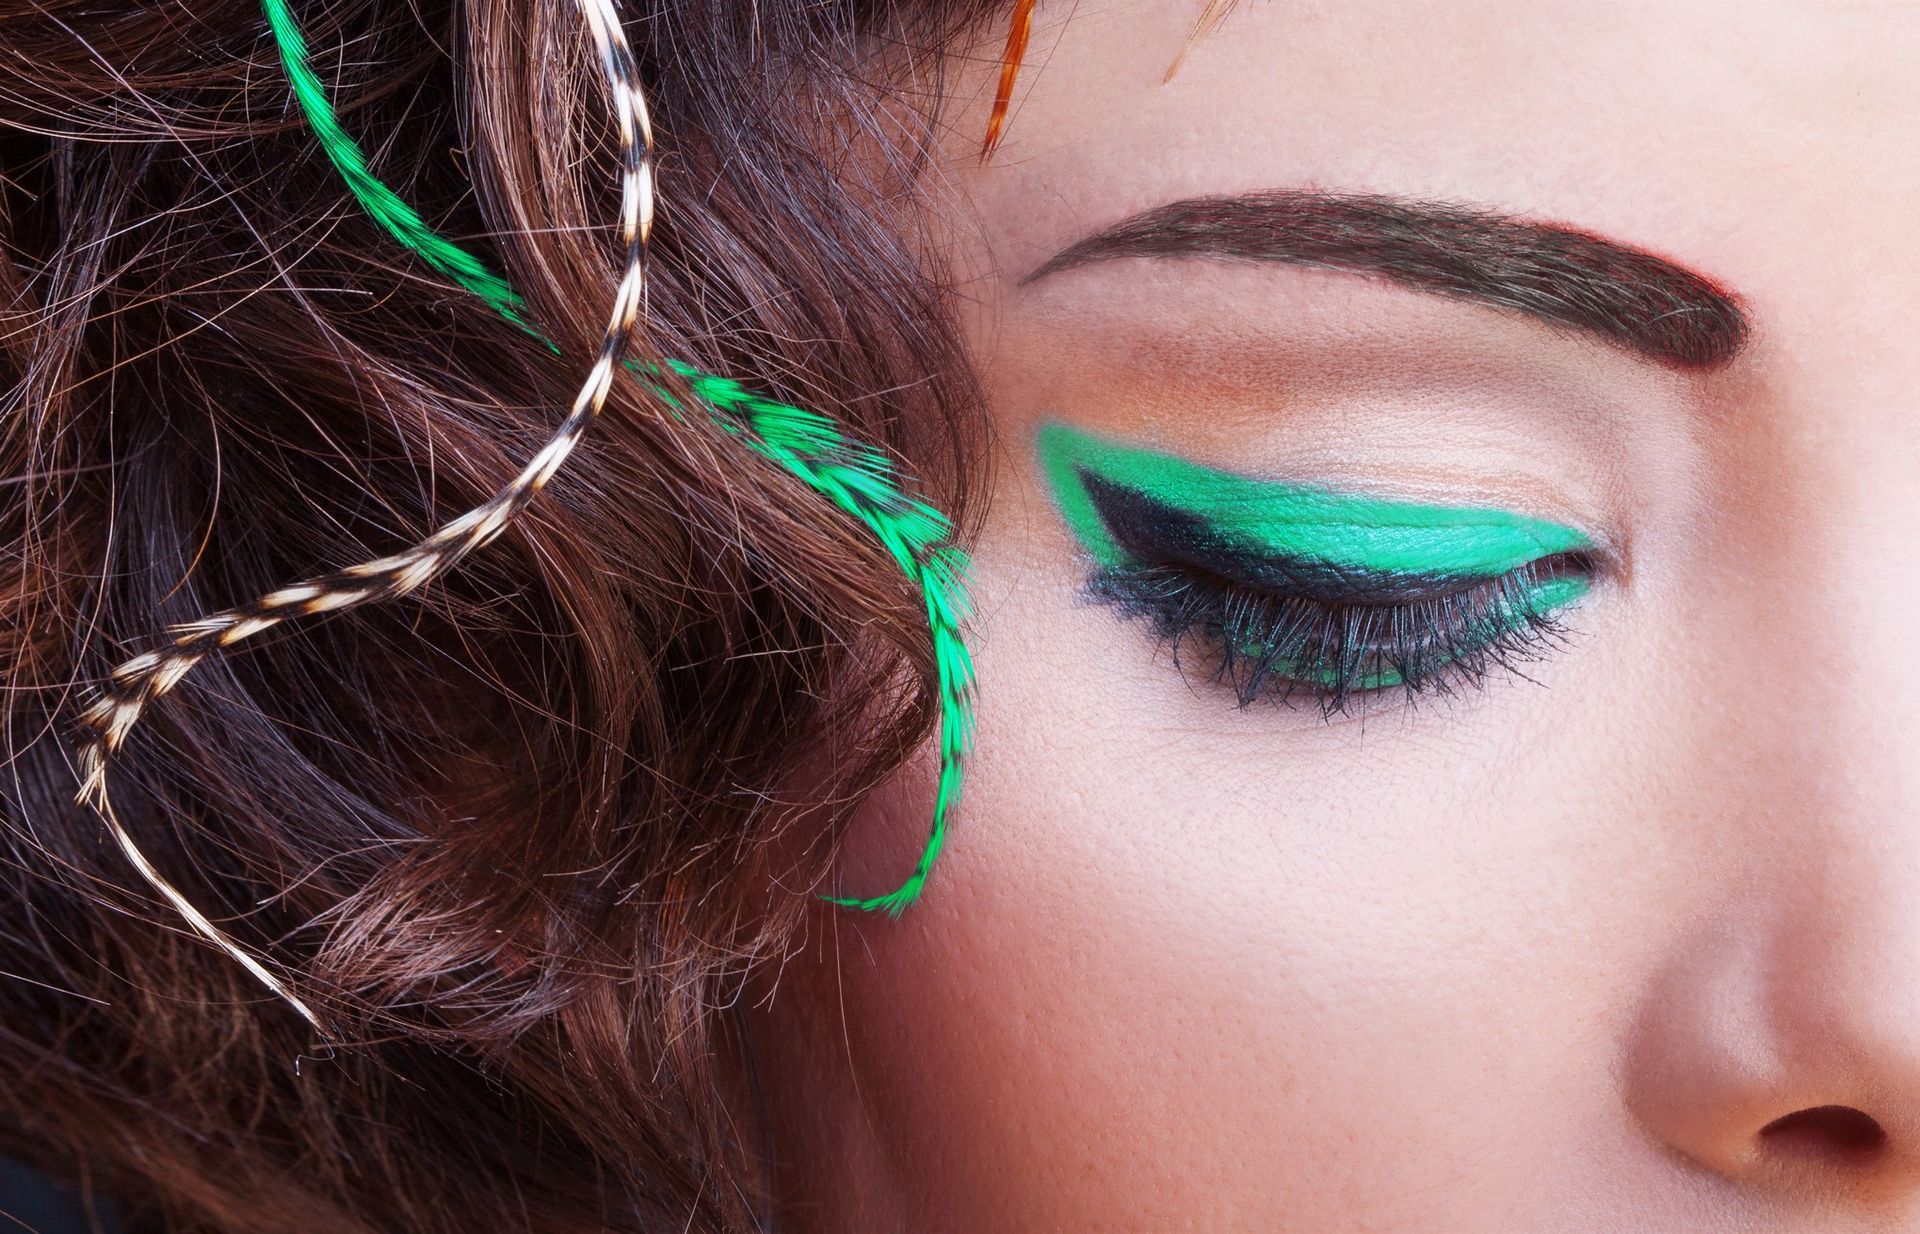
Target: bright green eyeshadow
{"points": [[1279, 518]]}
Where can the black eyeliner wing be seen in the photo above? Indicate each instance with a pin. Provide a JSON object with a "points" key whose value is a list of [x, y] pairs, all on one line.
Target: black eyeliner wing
{"points": [[1161, 534]]}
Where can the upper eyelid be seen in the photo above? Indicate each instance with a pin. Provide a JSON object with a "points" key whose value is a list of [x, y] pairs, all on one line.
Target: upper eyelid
{"points": [[1137, 522], [1309, 519], [1337, 586]]}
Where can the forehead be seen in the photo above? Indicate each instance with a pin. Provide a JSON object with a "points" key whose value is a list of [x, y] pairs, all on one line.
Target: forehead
{"points": [[1766, 146]]}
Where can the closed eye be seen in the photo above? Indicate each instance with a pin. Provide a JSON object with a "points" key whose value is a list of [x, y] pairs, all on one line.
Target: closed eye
{"points": [[1285, 626]]}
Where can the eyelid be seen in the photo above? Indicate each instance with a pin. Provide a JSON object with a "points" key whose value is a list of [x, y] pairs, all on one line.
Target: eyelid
{"points": [[1308, 521], [1144, 530]]}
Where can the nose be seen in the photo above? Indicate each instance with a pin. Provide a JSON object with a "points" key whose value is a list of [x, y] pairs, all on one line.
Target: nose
{"points": [[1779, 1045], [1775, 1039]]}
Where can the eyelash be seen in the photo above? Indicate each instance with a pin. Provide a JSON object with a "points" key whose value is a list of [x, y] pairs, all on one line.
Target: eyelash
{"points": [[1261, 642]]}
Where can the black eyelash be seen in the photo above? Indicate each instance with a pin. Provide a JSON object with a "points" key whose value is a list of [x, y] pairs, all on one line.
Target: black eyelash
{"points": [[1260, 641]]}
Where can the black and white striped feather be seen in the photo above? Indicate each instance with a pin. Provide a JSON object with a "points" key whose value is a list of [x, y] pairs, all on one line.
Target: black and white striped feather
{"points": [[137, 683]]}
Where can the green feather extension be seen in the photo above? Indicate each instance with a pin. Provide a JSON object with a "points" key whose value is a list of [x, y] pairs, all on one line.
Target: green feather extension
{"points": [[854, 477], [402, 221]]}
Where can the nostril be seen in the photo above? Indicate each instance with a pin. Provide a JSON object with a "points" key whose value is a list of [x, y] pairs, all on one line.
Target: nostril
{"points": [[1836, 1133]]}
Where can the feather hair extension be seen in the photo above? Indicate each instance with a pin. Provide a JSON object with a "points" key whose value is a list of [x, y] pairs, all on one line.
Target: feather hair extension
{"points": [[133, 685], [860, 480], [852, 476], [1209, 20], [855, 478], [1019, 30], [379, 201]]}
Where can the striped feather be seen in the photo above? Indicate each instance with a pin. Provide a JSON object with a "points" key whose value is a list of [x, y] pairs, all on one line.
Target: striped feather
{"points": [[860, 481], [855, 478], [147, 677], [852, 476]]}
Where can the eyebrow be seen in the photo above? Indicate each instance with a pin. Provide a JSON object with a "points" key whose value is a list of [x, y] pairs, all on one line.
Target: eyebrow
{"points": [[1559, 275]]}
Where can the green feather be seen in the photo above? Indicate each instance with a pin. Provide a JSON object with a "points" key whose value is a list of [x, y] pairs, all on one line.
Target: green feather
{"points": [[854, 477], [402, 221]]}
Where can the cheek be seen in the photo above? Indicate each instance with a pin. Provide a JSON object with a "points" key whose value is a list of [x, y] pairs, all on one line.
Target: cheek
{"points": [[1187, 966]]}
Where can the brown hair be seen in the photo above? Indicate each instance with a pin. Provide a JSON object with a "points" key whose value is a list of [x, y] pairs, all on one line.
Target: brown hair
{"points": [[513, 833]]}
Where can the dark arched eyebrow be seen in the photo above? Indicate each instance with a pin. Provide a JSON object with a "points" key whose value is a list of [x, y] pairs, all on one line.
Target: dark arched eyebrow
{"points": [[1557, 274]]}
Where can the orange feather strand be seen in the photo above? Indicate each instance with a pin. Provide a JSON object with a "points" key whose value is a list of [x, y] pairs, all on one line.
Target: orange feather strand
{"points": [[1017, 34]]}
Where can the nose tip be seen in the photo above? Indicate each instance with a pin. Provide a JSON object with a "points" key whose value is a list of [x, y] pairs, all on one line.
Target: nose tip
{"points": [[1813, 1092]]}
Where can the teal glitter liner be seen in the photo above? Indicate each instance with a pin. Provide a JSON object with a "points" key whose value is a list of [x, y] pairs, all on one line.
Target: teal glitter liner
{"points": [[854, 477]]}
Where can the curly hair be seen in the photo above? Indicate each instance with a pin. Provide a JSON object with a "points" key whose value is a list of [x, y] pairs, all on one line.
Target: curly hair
{"points": [[518, 830]]}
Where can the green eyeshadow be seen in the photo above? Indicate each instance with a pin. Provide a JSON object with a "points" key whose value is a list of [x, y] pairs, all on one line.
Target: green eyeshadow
{"points": [[1302, 521]]}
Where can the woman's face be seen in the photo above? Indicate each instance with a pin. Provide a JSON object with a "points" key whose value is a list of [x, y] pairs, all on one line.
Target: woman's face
{"points": [[1625, 939]]}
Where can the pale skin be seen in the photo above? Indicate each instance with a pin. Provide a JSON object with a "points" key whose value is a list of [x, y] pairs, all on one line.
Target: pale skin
{"points": [[1546, 957]]}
